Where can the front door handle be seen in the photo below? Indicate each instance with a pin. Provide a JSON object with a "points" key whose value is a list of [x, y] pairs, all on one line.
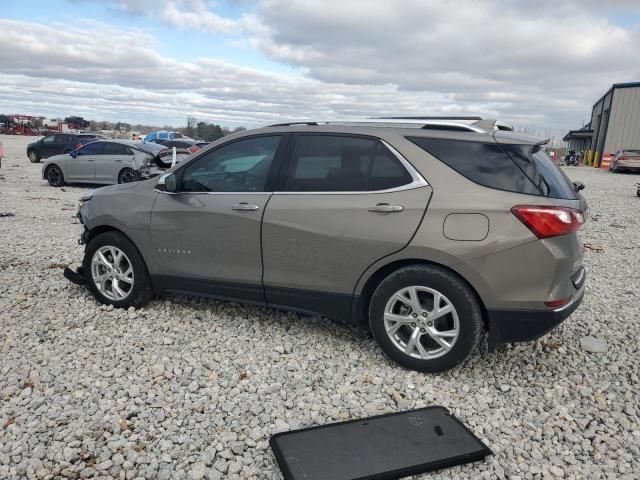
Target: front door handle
{"points": [[386, 208], [245, 207]]}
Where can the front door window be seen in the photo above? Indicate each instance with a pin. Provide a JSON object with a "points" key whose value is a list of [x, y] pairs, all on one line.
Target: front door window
{"points": [[241, 166]]}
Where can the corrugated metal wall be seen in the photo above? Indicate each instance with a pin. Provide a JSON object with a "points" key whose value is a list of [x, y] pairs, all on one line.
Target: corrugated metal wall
{"points": [[601, 113], [624, 122]]}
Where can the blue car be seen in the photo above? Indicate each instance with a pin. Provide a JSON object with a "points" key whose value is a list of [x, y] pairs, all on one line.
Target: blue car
{"points": [[163, 135]]}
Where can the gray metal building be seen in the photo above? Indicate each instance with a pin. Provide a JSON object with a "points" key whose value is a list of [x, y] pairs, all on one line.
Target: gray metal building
{"points": [[615, 124]]}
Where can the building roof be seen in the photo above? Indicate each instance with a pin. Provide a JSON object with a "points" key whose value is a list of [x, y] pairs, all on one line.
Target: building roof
{"points": [[615, 86], [584, 132]]}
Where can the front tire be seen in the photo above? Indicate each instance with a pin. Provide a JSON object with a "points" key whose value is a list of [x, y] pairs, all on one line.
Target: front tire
{"points": [[425, 318], [115, 271], [34, 156], [54, 176]]}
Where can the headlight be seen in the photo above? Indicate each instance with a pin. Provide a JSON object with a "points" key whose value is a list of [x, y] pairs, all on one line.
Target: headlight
{"points": [[84, 199]]}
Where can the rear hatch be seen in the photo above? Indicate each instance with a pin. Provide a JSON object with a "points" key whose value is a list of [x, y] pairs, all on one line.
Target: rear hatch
{"points": [[529, 154]]}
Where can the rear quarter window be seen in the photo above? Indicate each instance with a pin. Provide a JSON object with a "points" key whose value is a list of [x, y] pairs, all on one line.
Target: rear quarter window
{"points": [[482, 163], [526, 169]]}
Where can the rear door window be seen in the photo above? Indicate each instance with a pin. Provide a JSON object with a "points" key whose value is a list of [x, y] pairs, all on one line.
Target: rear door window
{"points": [[338, 163], [111, 148], [94, 148], [387, 172]]}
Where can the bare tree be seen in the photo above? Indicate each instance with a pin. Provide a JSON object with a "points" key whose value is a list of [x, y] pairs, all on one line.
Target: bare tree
{"points": [[191, 131]]}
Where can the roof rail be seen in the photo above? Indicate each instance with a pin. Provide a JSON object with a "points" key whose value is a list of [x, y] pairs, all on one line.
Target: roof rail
{"points": [[290, 124], [431, 118], [404, 122]]}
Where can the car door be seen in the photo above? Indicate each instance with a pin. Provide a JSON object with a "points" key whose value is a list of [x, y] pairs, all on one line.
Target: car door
{"points": [[206, 237], [81, 168], [111, 160], [62, 143], [47, 146], [347, 202]]}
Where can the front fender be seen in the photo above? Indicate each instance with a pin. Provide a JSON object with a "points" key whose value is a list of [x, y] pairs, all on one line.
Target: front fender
{"points": [[126, 208]]}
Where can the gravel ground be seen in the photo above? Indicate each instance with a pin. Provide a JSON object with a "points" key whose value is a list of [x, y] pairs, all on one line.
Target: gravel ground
{"points": [[192, 388]]}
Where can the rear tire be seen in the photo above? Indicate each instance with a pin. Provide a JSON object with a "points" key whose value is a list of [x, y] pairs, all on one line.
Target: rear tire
{"points": [[111, 280], [34, 156], [54, 176], [427, 340], [127, 175]]}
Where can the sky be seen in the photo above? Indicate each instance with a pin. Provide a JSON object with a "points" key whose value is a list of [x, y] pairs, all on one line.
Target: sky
{"points": [[538, 65]]}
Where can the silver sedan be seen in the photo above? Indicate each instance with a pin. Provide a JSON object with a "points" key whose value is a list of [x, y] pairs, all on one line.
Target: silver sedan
{"points": [[103, 162]]}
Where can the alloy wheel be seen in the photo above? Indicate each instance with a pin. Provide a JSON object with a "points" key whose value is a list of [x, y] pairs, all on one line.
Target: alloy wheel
{"points": [[421, 322], [127, 176], [112, 273], [54, 175]]}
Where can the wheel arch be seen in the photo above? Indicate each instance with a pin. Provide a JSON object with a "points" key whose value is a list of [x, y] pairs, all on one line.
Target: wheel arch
{"points": [[104, 228], [360, 307], [54, 164]]}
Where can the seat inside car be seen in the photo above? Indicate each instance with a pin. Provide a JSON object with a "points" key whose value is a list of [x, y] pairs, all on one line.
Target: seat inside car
{"points": [[349, 176]]}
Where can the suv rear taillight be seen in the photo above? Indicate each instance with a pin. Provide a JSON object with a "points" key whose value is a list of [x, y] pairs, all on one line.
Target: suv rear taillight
{"points": [[548, 222]]}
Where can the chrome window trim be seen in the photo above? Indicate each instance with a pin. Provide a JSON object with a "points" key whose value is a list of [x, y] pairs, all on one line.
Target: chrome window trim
{"points": [[214, 193], [418, 181]]}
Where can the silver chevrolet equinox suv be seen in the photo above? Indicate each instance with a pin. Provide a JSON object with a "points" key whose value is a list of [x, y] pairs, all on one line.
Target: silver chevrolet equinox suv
{"points": [[429, 231]]}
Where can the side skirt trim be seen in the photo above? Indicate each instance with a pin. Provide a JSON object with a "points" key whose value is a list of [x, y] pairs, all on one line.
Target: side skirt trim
{"points": [[336, 306]]}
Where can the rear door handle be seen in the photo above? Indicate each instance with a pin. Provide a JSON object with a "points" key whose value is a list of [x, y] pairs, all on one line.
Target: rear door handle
{"points": [[386, 208], [245, 207]]}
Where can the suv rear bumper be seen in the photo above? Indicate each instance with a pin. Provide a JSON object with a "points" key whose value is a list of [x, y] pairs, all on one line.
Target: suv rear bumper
{"points": [[506, 326]]}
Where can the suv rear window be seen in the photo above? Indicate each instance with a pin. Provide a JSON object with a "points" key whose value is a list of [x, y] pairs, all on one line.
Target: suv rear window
{"points": [[515, 168]]}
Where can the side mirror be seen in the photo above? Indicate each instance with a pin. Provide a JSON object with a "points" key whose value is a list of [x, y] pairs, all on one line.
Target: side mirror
{"points": [[73, 153], [578, 186], [167, 183]]}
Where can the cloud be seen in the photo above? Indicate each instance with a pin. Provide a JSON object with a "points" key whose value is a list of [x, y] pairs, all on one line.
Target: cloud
{"points": [[458, 48], [199, 17], [90, 78], [534, 64]]}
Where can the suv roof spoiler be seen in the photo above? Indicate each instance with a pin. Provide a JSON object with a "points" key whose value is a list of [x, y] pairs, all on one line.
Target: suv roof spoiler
{"points": [[465, 124]]}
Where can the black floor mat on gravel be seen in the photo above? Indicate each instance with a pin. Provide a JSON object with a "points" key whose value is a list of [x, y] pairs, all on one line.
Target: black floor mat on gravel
{"points": [[383, 447]]}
